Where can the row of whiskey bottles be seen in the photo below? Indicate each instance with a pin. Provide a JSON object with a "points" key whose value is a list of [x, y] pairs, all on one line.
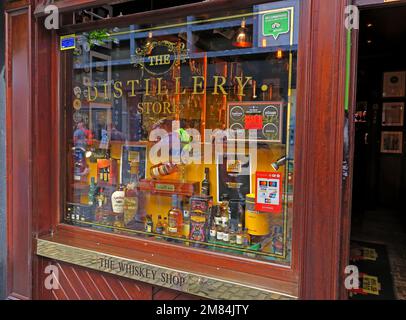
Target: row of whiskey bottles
{"points": [[214, 225]]}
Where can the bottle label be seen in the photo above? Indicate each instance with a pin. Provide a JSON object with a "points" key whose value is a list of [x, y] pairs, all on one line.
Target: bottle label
{"points": [[213, 233], [226, 237], [159, 230], [172, 230], [154, 172], [238, 239], [205, 190], [117, 201], [219, 235], [149, 229], [217, 220], [186, 230]]}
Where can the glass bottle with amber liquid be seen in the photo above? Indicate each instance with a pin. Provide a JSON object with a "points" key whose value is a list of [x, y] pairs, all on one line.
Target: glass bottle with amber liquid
{"points": [[165, 226], [239, 237], [246, 239], [175, 218], [225, 210], [159, 225], [163, 169], [206, 183], [186, 224], [149, 224]]}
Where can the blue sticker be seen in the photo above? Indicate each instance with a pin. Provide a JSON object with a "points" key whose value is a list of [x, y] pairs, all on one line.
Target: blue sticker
{"points": [[68, 42]]}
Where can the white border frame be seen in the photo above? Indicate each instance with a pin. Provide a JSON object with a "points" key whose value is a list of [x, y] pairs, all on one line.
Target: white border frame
{"points": [[390, 106], [387, 133]]}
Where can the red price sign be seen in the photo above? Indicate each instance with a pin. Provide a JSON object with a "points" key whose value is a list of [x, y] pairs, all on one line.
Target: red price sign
{"points": [[253, 122]]}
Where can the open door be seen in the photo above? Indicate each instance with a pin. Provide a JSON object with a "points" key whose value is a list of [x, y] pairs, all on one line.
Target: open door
{"points": [[373, 228]]}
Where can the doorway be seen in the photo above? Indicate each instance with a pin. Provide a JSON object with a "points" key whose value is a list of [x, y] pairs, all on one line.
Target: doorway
{"points": [[378, 224]]}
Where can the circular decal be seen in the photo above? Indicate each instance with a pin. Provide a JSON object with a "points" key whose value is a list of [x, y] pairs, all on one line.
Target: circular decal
{"points": [[77, 104], [77, 91], [271, 112], [271, 131], [86, 81], [237, 126], [77, 117], [236, 113]]}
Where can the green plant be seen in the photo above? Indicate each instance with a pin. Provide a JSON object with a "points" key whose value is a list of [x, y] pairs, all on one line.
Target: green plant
{"points": [[98, 36]]}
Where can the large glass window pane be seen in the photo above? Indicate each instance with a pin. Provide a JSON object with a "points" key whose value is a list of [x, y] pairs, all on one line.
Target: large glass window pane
{"points": [[184, 132]]}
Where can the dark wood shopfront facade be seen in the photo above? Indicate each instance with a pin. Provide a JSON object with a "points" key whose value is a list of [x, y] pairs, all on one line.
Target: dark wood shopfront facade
{"points": [[320, 245]]}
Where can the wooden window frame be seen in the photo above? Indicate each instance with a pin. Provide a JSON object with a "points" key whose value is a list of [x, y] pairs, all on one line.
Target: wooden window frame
{"points": [[320, 82], [215, 259]]}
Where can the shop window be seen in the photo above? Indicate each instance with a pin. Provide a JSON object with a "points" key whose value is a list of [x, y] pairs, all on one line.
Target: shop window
{"points": [[184, 132]]}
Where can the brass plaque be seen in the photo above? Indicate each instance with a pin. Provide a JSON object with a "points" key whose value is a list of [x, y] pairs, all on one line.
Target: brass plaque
{"points": [[164, 187], [195, 284]]}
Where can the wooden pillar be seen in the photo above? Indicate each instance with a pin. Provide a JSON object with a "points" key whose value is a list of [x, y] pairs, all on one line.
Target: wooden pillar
{"points": [[321, 84], [19, 137], [3, 220]]}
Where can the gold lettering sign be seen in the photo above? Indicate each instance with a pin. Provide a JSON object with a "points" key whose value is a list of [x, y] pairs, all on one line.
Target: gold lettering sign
{"points": [[180, 280], [164, 187], [159, 57], [156, 87]]}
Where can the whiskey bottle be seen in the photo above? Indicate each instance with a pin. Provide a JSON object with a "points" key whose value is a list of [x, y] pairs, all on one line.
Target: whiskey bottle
{"points": [[217, 215], [206, 183], [175, 220], [233, 236], [159, 226], [213, 232], [117, 200], [130, 207], [246, 239], [186, 224], [226, 234], [92, 192], [219, 234], [107, 174], [239, 236], [101, 198], [101, 173], [225, 210], [165, 226], [149, 225], [163, 169]]}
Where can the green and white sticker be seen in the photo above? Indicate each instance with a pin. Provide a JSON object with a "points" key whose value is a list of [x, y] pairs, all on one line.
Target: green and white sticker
{"points": [[276, 23]]}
